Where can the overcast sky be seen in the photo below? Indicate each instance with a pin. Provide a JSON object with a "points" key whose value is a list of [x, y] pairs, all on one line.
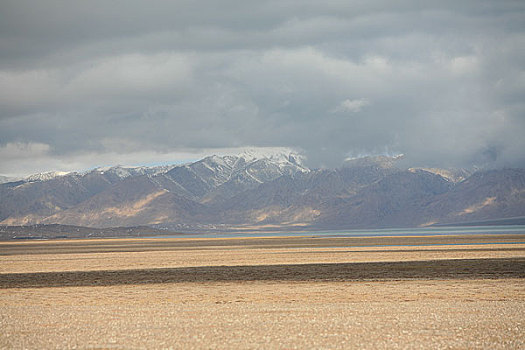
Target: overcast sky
{"points": [[93, 83]]}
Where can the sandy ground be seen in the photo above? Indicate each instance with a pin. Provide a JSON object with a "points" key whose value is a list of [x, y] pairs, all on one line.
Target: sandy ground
{"points": [[269, 293], [121, 254]]}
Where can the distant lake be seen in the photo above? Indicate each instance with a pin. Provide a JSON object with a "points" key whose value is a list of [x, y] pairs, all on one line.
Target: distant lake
{"points": [[418, 231]]}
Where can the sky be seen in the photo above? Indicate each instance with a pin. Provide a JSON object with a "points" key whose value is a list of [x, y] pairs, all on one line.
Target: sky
{"points": [[97, 83]]}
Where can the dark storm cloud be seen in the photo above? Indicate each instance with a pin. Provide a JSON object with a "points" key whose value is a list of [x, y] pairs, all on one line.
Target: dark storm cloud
{"points": [[87, 83]]}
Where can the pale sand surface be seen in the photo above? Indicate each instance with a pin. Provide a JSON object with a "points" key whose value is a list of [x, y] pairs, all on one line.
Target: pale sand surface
{"points": [[262, 294]]}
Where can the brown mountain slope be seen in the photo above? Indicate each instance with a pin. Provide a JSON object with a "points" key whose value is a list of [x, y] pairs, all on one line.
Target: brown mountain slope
{"points": [[134, 201]]}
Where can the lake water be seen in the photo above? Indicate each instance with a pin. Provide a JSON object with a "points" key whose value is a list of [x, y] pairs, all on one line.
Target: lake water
{"points": [[419, 231]]}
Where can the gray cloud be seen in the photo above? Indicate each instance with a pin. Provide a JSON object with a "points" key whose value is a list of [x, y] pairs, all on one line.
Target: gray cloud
{"points": [[87, 82]]}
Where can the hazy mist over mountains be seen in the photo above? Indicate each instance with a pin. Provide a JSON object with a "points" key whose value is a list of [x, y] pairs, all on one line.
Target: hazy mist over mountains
{"points": [[257, 191]]}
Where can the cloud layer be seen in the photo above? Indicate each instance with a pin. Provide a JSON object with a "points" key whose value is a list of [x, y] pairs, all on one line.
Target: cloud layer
{"points": [[91, 83]]}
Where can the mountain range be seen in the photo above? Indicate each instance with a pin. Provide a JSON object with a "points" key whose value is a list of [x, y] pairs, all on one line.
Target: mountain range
{"points": [[250, 191]]}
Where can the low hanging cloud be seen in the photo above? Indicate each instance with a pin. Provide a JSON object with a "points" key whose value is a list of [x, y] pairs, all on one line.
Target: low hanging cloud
{"points": [[17, 150], [441, 82], [352, 106]]}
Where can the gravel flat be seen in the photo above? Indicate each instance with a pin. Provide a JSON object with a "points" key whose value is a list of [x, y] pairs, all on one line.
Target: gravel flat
{"points": [[262, 296]]}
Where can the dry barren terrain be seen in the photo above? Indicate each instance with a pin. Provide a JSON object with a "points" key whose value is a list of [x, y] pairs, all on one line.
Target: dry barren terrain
{"points": [[370, 292]]}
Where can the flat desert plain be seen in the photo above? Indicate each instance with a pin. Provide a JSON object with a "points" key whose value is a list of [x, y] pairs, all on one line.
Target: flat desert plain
{"points": [[460, 292]]}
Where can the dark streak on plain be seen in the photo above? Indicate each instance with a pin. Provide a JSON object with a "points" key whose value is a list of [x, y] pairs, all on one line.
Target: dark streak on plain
{"points": [[373, 271]]}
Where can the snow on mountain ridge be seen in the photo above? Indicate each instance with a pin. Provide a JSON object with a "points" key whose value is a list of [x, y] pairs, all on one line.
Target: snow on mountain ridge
{"points": [[46, 176], [286, 159], [275, 154], [126, 171]]}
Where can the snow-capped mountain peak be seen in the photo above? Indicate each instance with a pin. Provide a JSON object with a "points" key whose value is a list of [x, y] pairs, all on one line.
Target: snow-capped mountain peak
{"points": [[126, 171], [275, 154], [46, 176]]}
